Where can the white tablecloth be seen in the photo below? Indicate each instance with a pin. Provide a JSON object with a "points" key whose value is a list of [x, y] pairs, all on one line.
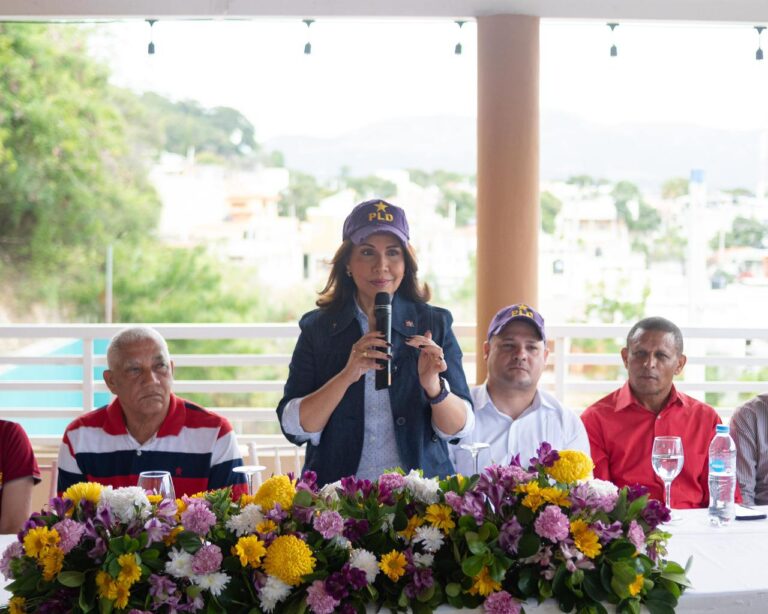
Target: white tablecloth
{"points": [[729, 570]]}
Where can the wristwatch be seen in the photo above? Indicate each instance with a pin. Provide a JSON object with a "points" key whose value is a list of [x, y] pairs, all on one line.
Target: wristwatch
{"points": [[445, 390]]}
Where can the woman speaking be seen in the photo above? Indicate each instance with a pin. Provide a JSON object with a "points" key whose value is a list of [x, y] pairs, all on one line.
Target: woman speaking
{"points": [[331, 401]]}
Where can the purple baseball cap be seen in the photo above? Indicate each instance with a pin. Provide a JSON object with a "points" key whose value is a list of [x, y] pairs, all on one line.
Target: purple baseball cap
{"points": [[375, 216], [519, 311]]}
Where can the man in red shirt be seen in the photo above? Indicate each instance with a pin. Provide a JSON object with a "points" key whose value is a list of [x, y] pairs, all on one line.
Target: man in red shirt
{"points": [[621, 426]]}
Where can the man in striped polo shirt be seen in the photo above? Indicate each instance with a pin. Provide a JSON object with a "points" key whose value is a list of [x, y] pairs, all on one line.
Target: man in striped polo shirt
{"points": [[146, 427]]}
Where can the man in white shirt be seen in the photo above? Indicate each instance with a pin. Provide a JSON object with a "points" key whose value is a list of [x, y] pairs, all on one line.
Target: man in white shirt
{"points": [[512, 414]]}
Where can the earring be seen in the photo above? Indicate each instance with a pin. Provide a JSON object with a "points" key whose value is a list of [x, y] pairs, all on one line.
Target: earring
{"points": [[349, 273]]}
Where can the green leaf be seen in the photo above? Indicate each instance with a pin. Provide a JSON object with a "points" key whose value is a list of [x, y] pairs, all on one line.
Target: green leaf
{"points": [[475, 543], [526, 582], [303, 498], [637, 506], [72, 579], [453, 589], [426, 594], [473, 565], [528, 545]]}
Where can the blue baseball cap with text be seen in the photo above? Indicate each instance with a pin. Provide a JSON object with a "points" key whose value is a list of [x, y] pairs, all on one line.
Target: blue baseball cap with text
{"points": [[519, 311], [374, 216]]}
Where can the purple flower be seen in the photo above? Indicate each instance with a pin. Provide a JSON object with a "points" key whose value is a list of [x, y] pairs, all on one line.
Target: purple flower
{"points": [[13, 551], [70, 533], [420, 581], [510, 534], [455, 501], [60, 506], [552, 524], [276, 514], [156, 530], [318, 600], [636, 535], [636, 491], [60, 601], [198, 518], [655, 513], [355, 577], [161, 588], [348, 608], [207, 559], [607, 533], [355, 530], [308, 482], [392, 481], [329, 524], [545, 455], [501, 603], [351, 486], [166, 508], [336, 586]]}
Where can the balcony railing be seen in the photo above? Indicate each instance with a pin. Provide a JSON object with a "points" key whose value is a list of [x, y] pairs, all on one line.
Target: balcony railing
{"points": [[725, 366]]}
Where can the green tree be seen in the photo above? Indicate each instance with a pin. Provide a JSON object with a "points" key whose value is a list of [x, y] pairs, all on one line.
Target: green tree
{"points": [[744, 232], [648, 219], [303, 192], [70, 181], [674, 188], [371, 187], [550, 207]]}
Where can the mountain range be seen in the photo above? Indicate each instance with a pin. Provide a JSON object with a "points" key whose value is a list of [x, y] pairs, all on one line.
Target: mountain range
{"points": [[646, 154]]}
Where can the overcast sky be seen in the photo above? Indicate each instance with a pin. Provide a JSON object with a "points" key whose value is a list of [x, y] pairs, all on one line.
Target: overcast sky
{"points": [[363, 71]]}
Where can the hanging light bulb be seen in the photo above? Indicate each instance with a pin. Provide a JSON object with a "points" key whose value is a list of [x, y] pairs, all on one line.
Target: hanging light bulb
{"points": [[614, 48], [458, 48], [759, 52], [151, 46], [308, 45]]}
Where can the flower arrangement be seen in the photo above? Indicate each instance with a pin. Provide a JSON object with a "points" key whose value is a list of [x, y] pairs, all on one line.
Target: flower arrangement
{"points": [[404, 542]]}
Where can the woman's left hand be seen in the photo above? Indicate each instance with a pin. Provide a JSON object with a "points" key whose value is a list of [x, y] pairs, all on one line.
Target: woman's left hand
{"points": [[431, 362]]}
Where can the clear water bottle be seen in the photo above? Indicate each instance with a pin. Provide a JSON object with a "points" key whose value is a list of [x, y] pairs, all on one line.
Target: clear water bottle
{"points": [[722, 477]]}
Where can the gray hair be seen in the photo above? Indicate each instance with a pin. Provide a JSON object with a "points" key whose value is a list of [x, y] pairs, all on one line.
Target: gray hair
{"points": [[131, 335], [660, 324]]}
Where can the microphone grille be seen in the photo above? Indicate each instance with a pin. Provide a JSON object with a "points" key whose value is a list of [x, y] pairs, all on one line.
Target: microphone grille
{"points": [[382, 298]]}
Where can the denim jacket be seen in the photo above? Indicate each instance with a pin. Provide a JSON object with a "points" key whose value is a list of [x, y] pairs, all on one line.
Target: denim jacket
{"points": [[322, 351]]}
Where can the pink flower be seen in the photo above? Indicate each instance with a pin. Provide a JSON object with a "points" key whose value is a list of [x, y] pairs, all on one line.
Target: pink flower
{"points": [[13, 551], [70, 533], [198, 518], [501, 603], [636, 535], [329, 524], [318, 600], [207, 559], [552, 524], [391, 481]]}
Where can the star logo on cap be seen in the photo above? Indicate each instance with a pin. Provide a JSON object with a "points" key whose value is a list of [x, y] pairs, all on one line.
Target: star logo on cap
{"points": [[381, 207]]}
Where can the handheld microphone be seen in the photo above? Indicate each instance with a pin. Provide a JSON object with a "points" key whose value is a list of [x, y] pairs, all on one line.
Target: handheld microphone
{"points": [[382, 311]]}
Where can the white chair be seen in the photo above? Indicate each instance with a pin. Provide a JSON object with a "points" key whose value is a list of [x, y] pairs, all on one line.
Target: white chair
{"points": [[275, 452]]}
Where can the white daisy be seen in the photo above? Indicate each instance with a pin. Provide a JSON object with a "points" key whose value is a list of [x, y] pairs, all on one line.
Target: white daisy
{"points": [[246, 521], [274, 591], [180, 565], [362, 559], [431, 537], [424, 489], [214, 582], [126, 504], [423, 559]]}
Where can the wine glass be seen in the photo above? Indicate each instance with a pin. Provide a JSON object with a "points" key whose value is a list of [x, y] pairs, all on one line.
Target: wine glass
{"points": [[474, 449], [249, 471], [667, 460], [157, 483]]}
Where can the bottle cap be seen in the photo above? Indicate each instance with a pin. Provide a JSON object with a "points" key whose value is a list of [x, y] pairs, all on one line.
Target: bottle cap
{"points": [[722, 428]]}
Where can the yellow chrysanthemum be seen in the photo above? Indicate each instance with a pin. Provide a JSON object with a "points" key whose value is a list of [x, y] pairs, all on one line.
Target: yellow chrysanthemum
{"points": [[484, 584], [170, 539], [533, 498], [555, 496], [637, 585], [40, 539], [246, 499], [585, 538], [573, 465], [52, 561], [414, 522], [155, 499], [17, 605], [393, 565], [83, 491], [250, 549], [439, 516], [130, 571], [289, 558], [106, 585], [122, 594], [266, 526], [277, 489]]}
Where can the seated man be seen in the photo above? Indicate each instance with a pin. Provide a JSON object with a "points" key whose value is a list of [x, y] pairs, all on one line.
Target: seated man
{"points": [[146, 427], [749, 429], [18, 474], [512, 414], [622, 425]]}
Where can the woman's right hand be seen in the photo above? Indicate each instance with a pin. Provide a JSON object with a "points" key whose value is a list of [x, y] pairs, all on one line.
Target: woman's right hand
{"points": [[365, 351]]}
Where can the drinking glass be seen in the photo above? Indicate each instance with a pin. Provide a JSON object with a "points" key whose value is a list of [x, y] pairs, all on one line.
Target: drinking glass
{"points": [[667, 460], [474, 449], [157, 483], [249, 471]]}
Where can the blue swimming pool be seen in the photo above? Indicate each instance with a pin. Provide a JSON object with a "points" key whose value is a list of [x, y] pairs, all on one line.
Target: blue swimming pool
{"points": [[31, 398]]}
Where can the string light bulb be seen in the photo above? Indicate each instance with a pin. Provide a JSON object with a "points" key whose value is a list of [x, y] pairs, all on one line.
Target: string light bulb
{"points": [[151, 46], [458, 48], [308, 45], [759, 52], [614, 48]]}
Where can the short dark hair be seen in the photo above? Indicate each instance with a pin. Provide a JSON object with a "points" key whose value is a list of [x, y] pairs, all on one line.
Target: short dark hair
{"points": [[660, 324]]}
